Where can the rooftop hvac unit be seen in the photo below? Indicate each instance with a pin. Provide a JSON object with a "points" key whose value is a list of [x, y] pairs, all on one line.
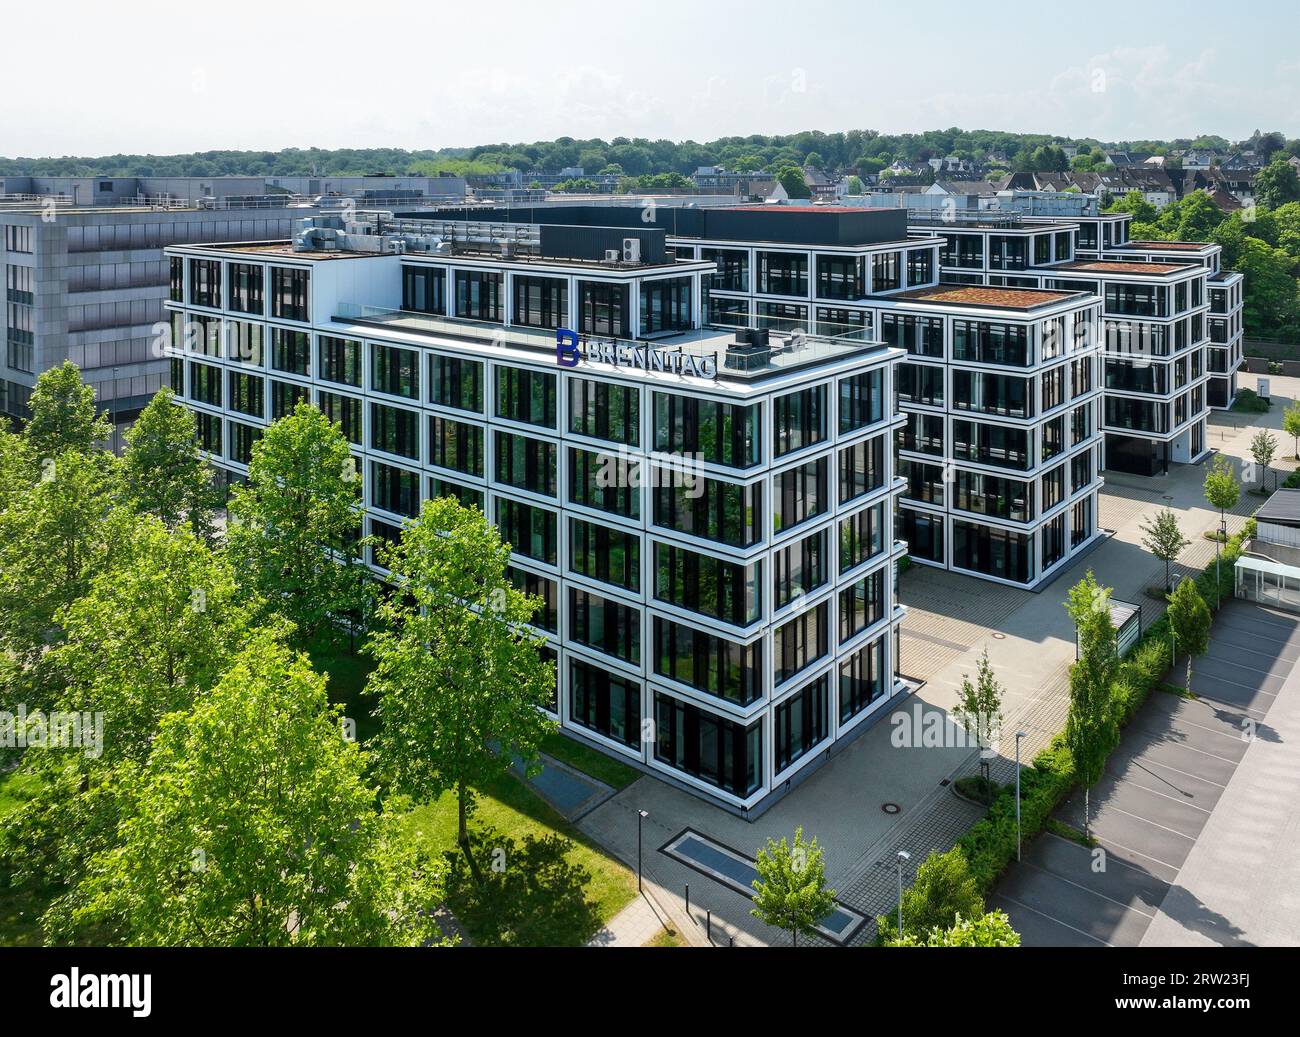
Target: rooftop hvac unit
{"points": [[612, 255], [631, 250]]}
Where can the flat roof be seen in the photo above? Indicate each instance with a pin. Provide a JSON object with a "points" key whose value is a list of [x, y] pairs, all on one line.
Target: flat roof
{"points": [[1283, 508], [286, 250], [981, 295], [1166, 246], [1092, 266], [758, 207]]}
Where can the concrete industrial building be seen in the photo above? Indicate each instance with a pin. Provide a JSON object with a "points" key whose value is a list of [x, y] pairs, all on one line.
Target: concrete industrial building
{"points": [[87, 284]]}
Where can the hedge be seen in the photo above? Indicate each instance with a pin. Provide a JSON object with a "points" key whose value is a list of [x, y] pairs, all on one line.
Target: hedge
{"points": [[991, 844]]}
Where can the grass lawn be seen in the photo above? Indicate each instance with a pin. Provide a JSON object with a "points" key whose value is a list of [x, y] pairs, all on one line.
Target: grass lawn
{"points": [[21, 910], [567, 885], [589, 761], [666, 938], [347, 675], [507, 814]]}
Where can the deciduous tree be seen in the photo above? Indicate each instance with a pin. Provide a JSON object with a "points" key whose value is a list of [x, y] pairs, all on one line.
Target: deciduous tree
{"points": [[459, 679], [54, 537], [63, 414], [1263, 446], [293, 527], [163, 472], [1090, 725], [253, 825], [790, 891], [1162, 536], [1190, 619]]}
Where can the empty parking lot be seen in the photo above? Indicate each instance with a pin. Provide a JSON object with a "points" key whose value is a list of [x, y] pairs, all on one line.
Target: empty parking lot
{"points": [[1161, 788]]}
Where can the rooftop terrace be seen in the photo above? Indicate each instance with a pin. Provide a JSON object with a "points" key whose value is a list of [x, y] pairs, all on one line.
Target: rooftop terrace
{"points": [[1090, 266], [979, 295]]}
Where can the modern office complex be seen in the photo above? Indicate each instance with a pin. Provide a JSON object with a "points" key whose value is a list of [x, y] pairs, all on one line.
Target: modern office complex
{"points": [[1001, 450], [705, 508], [87, 284], [984, 450], [1155, 324], [1000, 389]]}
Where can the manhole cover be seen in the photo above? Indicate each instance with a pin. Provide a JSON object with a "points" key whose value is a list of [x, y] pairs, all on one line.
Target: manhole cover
{"points": [[890, 808], [1000, 637]]}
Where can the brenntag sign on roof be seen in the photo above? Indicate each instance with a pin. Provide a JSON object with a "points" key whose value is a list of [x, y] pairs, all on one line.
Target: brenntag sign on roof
{"points": [[570, 350]]}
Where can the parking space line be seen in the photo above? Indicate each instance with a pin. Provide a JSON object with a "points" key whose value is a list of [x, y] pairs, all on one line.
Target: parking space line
{"points": [[1247, 687], [1175, 868], [1163, 795], [1153, 824], [1235, 648], [1202, 727], [1118, 860], [1053, 918], [1182, 745], [1186, 774], [1076, 885]]}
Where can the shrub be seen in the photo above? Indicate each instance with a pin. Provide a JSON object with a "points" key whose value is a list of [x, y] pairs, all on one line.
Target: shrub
{"points": [[991, 844], [1249, 402], [943, 890], [990, 930]]}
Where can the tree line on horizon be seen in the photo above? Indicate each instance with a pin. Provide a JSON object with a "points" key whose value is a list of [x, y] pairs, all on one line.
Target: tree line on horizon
{"points": [[855, 151]]}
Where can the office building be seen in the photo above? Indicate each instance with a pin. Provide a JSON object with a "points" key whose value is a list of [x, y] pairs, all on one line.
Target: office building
{"points": [[705, 509], [87, 284], [1000, 389]]}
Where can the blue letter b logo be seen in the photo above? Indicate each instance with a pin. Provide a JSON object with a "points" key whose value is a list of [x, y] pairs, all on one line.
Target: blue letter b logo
{"points": [[566, 348]]}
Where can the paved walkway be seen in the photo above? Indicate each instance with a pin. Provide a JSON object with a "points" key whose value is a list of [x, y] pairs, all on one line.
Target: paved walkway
{"points": [[952, 619]]}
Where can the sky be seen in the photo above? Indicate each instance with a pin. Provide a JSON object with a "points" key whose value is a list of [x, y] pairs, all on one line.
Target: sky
{"points": [[102, 78]]}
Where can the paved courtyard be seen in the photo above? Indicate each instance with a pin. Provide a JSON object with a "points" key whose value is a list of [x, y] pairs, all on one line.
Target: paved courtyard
{"points": [[951, 620]]}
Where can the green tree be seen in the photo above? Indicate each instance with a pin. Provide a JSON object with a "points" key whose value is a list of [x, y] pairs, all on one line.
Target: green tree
{"points": [[1276, 184], [1162, 536], [1189, 617], [1291, 425], [63, 415], [54, 538], [1222, 490], [1263, 445], [252, 825], [1136, 203], [988, 930], [1271, 304], [790, 891], [163, 472], [460, 683], [791, 178], [148, 636], [293, 529], [944, 889], [151, 634], [18, 467], [979, 704], [1090, 725]]}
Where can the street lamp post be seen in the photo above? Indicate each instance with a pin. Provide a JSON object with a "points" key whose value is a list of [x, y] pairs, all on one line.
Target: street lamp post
{"points": [[641, 815], [902, 857], [1221, 538], [1019, 735]]}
